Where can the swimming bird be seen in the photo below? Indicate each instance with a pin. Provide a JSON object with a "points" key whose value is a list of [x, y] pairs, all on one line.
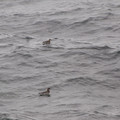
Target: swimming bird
{"points": [[45, 93], [47, 42]]}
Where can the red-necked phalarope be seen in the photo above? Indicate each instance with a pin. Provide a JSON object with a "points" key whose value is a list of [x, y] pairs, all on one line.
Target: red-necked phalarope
{"points": [[47, 42], [46, 93]]}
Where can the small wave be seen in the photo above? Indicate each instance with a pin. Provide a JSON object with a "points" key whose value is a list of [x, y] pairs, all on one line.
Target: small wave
{"points": [[24, 77], [19, 78], [4, 35], [38, 23], [47, 65], [110, 71], [5, 67], [25, 55], [8, 95], [28, 37], [5, 45], [84, 51], [52, 47], [82, 80], [105, 47], [107, 55], [86, 81], [116, 28], [25, 64], [72, 53], [104, 16], [26, 2], [24, 36], [67, 12], [67, 113], [118, 6], [115, 54], [20, 54], [4, 116], [19, 15], [107, 110], [80, 23], [104, 52], [57, 47], [101, 47], [51, 22], [92, 21]]}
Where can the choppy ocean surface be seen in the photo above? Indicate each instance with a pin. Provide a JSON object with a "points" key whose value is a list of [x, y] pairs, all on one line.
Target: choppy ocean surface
{"points": [[81, 66]]}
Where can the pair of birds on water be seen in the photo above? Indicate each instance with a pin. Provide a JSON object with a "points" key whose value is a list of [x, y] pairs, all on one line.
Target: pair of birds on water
{"points": [[47, 92]]}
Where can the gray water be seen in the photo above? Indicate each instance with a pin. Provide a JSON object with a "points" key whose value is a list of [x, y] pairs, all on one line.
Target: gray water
{"points": [[81, 66]]}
